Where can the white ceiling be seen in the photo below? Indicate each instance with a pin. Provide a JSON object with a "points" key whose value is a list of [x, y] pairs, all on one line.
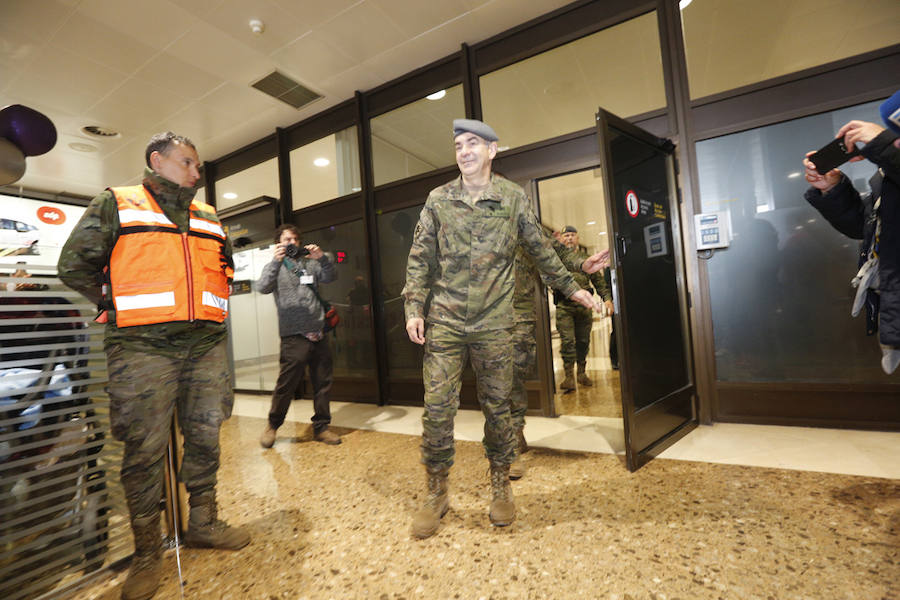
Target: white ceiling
{"points": [[186, 65]]}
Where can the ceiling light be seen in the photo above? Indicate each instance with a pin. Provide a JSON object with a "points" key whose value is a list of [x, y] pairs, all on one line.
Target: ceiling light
{"points": [[82, 147], [683, 4], [592, 222], [257, 26], [229, 195], [502, 148], [321, 162], [437, 95], [794, 175], [355, 189], [602, 233]]}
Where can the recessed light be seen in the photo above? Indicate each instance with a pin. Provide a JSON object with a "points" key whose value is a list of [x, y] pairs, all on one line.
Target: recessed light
{"points": [[82, 147], [229, 195], [321, 162], [437, 95], [355, 189], [592, 222], [794, 175], [683, 4]]}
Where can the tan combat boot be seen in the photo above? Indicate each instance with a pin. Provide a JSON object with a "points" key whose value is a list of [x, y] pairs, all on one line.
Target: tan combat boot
{"points": [[267, 439], [517, 468], [428, 518], [503, 510], [583, 379], [205, 530], [146, 564], [569, 382]]}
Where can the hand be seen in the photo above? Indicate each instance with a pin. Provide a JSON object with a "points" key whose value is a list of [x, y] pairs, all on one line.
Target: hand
{"points": [[587, 300], [415, 329], [279, 251], [610, 308], [594, 263], [858, 131], [823, 183], [314, 251]]}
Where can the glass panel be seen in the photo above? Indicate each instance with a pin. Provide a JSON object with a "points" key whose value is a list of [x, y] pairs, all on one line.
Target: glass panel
{"points": [[416, 138], [258, 180], [781, 293], [352, 347], [253, 324], [395, 233], [731, 44], [558, 91], [326, 168]]}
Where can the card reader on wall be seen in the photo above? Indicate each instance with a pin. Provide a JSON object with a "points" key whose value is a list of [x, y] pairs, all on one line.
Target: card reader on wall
{"points": [[713, 230]]}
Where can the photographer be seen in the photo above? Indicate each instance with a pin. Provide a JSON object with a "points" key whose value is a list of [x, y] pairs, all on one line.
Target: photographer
{"points": [[294, 276], [874, 219]]}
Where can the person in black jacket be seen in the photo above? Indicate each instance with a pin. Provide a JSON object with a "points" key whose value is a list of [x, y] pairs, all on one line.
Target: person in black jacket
{"points": [[873, 218]]}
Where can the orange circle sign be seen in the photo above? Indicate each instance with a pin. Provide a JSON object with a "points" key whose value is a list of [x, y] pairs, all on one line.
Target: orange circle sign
{"points": [[51, 215]]}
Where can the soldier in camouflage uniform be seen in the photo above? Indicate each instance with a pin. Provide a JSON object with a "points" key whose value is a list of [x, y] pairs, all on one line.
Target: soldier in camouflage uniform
{"points": [[157, 368], [524, 344], [574, 322], [462, 256]]}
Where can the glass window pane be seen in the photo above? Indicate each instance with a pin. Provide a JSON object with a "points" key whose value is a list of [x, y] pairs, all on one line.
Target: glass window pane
{"points": [[258, 180], [326, 168], [352, 348], [395, 233], [732, 44], [416, 138], [559, 91], [253, 321], [781, 294]]}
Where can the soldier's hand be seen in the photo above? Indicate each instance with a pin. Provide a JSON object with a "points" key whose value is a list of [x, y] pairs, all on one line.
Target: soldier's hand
{"points": [[587, 300], [415, 329], [594, 263], [610, 309]]}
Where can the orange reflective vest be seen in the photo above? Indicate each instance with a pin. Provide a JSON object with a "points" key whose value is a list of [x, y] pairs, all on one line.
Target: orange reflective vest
{"points": [[158, 274]]}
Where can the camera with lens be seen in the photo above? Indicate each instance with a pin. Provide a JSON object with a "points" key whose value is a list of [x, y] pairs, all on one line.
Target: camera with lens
{"points": [[293, 251]]}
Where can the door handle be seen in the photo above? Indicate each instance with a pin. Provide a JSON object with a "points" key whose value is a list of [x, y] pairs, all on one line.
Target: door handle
{"points": [[622, 244]]}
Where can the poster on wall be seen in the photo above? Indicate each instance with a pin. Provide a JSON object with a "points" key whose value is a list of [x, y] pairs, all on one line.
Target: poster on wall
{"points": [[34, 231]]}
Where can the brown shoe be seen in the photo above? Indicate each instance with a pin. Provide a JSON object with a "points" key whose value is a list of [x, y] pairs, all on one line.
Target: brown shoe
{"points": [[267, 439], [327, 437]]}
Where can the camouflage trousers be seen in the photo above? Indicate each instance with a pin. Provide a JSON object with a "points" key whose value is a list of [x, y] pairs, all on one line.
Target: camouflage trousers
{"points": [[573, 322], [524, 360], [446, 353], [144, 389]]}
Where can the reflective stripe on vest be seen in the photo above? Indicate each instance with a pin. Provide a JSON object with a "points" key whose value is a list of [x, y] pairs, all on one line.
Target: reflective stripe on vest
{"points": [[159, 274]]}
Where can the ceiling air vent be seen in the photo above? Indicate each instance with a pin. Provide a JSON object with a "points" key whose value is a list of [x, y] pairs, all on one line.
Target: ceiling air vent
{"points": [[280, 86]]}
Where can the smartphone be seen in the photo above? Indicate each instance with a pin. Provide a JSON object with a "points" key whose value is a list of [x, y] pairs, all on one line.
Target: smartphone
{"points": [[832, 155]]}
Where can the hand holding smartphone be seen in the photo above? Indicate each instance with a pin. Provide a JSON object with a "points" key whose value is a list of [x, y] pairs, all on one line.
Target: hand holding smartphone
{"points": [[832, 155]]}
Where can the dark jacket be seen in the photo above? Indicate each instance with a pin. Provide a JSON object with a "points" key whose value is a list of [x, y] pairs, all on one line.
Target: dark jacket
{"points": [[854, 216]]}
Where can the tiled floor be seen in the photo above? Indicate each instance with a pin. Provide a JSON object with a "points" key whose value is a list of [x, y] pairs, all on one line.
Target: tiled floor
{"points": [[848, 452]]}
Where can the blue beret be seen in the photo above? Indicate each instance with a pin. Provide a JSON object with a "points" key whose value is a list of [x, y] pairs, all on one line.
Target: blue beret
{"points": [[482, 130]]}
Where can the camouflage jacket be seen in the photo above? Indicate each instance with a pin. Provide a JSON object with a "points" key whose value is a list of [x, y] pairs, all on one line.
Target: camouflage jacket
{"points": [[526, 273], [87, 252], [463, 255], [595, 280]]}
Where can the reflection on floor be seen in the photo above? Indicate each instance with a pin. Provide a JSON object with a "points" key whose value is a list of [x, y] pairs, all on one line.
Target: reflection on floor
{"points": [[333, 521]]}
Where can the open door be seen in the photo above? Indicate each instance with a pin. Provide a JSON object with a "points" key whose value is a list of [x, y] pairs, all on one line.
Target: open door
{"points": [[648, 283]]}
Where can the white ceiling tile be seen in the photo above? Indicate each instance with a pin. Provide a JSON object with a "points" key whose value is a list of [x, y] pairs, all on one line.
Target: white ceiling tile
{"points": [[38, 19], [136, 106], [414, 17], [218, 53], [238, 100], [156, 23], [315, 13], [345, 84], [92, 39], [352, 32], [280, 27], [187, 80], [313, 58]]}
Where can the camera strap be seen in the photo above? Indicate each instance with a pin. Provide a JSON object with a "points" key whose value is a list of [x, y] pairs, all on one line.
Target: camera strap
{"points": [[295, 269]]}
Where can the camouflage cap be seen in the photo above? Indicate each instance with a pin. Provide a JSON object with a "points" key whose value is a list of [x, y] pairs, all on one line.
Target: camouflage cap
{"points": [[482, 130]]}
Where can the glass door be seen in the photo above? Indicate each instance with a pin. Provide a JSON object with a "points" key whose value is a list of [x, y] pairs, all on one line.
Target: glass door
{"points": [[648, 283]]}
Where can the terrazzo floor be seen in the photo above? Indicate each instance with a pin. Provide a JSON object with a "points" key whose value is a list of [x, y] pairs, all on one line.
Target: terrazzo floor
{"points": [[333, 522]]}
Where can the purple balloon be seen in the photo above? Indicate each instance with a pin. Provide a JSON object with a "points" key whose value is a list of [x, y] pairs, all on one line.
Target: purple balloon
{"points": [[32, 132]]}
